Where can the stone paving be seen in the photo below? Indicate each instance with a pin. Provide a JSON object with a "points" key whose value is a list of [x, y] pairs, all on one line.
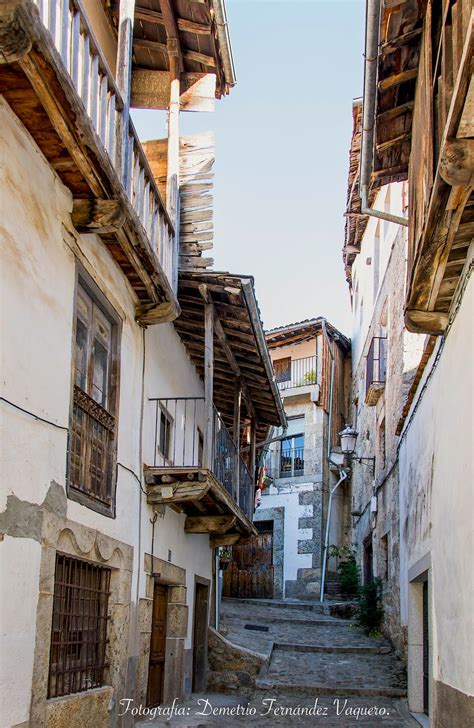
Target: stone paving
{"points": [[319, 671]]}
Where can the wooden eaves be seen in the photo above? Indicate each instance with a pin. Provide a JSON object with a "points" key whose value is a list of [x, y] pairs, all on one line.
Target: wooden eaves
{"points": [[36, 83], [240, 352], [204, 72]]}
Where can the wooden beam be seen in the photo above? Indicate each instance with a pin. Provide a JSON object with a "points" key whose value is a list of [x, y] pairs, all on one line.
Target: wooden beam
{"points": [[394, 113], [154, 45], [236, 436], [383, 146], [124, 81], [227, 539], [393, 45], [456, 164], [209, 524], [155, 17], [397, 79], [97, 216], [208, 383]]}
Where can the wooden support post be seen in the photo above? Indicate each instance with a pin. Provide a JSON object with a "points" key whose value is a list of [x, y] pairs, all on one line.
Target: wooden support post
{"points": [[236, 434], [253, 443], [172, 181], [124, 82], [209, 384]]}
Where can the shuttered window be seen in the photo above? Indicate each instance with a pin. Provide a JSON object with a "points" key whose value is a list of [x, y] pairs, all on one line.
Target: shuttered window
{"points": [[93, 422]]}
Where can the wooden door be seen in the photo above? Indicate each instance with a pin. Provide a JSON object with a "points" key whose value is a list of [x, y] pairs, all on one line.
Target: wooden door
{"points": [[250, 573], [156, 671], [426, 651], [201, 609]]}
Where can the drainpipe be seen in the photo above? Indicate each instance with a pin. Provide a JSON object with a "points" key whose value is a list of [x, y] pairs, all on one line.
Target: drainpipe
{"points": [[342, 477], [372, 24], [331, 386], [224, 42]]}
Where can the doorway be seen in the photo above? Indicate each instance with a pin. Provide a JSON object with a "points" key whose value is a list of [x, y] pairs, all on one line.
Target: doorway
{"points": [[426, 651], [156, 670], [368, 560], [201, 611], [251, 572]]}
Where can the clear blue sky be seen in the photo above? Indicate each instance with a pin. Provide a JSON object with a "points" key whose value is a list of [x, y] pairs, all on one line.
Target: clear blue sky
{"points": [[282, 142]]}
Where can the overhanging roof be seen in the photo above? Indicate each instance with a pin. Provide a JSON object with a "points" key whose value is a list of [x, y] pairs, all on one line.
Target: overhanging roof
{"points": [[301, 331], [236, 308]]}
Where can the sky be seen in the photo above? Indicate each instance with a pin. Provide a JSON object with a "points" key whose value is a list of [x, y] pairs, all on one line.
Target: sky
{"points": [[282, 152]]}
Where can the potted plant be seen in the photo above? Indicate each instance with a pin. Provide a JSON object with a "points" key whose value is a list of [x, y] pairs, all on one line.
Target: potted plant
{"points": [[225, 557]]}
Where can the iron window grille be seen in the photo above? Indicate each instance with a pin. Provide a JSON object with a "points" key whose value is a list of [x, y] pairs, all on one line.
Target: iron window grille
{"points": [[79, 627]]}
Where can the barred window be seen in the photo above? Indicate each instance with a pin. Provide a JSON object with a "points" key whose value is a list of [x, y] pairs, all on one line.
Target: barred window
{"points": [[79, 626], [93, 423]]}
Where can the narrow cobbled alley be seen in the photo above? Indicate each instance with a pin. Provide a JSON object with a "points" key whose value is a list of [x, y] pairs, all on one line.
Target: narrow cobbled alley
{"points": [[318, 669]]}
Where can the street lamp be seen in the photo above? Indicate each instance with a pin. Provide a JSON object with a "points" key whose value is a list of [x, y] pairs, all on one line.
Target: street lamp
{"points": [[348, 438]]}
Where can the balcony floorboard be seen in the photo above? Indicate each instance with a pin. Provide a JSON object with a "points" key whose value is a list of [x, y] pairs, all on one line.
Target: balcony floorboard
{"points": [[195, 492]]}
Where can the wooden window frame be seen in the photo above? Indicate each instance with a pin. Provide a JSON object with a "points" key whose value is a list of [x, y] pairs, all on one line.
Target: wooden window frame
{"points": [[108, 416], [169, 433], [278, 376]]}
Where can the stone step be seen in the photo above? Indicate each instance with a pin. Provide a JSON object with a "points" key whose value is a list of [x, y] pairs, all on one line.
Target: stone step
{"points": [[305, 605], [345, 690], [334, 649]]}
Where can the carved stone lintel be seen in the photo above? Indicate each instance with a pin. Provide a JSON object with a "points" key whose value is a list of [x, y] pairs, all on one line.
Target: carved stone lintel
{"points": [[14, 40]]}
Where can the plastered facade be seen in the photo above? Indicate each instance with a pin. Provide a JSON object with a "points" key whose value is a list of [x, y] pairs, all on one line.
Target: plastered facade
{"points": [[302, 499], [40, 254], [422, 526]]}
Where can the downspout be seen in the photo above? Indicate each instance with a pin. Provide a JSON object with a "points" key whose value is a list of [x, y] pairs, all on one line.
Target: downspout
{"points": [[331, 386], [342, 477], [224, 41], [372, 25]]}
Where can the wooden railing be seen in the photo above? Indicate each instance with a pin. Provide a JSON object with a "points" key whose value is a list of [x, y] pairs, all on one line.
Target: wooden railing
{"points": [[87, 67]]}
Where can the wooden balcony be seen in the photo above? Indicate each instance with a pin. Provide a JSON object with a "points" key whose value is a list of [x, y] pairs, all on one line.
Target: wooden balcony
{"points": [[56, 79], [375, 370], [217, 499]]}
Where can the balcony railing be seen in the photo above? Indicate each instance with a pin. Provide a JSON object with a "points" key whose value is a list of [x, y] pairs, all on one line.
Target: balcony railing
{"points": [[179, 443], [296, 373], [376, 364], [292, 462], [85, 63]]}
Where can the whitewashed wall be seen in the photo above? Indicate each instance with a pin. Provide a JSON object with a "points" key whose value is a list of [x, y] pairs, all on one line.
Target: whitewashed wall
{"points": [[436, 497], [39, 252]]}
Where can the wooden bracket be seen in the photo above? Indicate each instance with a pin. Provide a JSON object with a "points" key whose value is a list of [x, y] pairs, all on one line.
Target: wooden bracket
{"points": [[97, 216], [149, 314], [209, 524], [226, 539]]}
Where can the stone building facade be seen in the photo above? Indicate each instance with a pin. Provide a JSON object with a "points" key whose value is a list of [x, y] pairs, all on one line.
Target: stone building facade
{"points": [[296, 501], [409, 214]]}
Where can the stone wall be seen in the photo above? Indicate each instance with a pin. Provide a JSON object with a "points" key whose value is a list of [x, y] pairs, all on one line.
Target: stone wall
{"points": [[377, 438], [232, 669]]}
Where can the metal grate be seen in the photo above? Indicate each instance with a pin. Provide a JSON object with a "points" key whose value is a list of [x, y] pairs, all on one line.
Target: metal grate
{"points": [[79, 627]]}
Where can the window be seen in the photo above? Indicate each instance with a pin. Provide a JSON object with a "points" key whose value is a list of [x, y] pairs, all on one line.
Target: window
{"points": [[382, 445], [166, 432], [384, 558], [200, 448], [79, 627], [292, 449], [93, 424], [282, 368]]}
